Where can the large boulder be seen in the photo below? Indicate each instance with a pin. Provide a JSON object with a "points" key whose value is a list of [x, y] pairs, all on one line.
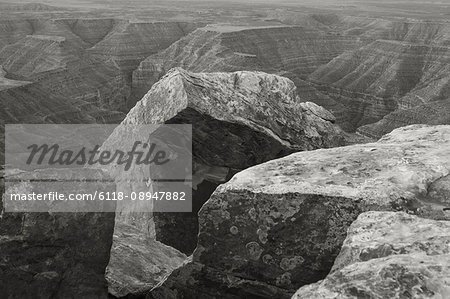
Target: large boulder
{"points": [[389, 255], [280, 225], [238, 120], [55, 255]]}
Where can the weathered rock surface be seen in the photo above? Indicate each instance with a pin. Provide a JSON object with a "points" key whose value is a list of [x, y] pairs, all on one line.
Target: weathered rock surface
{"points": [[389, 255], [239, 120], [280, 225], [55, 255], [289, 51], [138, 263]]}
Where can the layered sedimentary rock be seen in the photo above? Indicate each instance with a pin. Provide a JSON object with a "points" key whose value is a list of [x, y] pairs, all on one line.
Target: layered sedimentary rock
{"points": [[85, 61], [128, 43], [48, 52], [34, 7], [6, 83], [28, 103], [55, 255], [422, 32], [12, 31], [91, 31], [238, 120], [389, 255], [384, 76], [280, 225], [432, 113], [138, 263], [294, 52], [63, 70], [31, 103]]}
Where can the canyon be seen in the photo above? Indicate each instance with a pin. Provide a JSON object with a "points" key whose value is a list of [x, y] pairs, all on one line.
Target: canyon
{"points": [[319, 147], [360, 70], [74, 61]]}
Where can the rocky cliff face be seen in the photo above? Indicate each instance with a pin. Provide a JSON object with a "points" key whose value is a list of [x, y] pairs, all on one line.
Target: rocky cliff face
{"points": [[408, 69], [294, 52], [128, 43], [12, 31], [91, 31], [432, 113], [399, 65], [29, 103], [389, 255], [280, 225], [75, 60]]}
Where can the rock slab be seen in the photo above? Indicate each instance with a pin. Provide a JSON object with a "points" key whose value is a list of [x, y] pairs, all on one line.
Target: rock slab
{"points": [[389, 255], [280, 225]]}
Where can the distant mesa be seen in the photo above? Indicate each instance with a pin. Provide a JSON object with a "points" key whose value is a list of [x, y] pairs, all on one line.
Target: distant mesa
{"points": [[28, 7], [291, 51]]}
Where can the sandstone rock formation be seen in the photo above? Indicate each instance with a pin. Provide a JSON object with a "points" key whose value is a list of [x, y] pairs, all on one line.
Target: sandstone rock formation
{"points": [[55, 255], [389, 255], [290, 51], [238, 120], [280, 225]]}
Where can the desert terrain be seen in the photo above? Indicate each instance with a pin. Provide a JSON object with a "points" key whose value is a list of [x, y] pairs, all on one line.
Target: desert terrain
{"points": [[320, 146]]}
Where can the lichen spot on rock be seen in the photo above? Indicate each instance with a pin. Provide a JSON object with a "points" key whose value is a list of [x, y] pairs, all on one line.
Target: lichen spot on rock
{"points": [[267, 259], [288, 264], [262, 234], [283, 280], [234, 230], [254, 250]]}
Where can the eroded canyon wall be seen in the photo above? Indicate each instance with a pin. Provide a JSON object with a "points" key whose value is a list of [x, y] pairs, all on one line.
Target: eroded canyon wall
{"points": [[291, 51], [406, 67], [84, 62]]}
